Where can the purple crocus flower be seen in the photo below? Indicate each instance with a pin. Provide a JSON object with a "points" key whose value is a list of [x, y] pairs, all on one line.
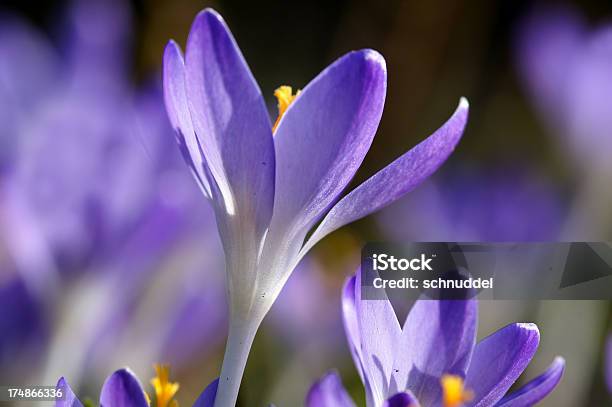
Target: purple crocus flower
{"points": [[270, 185], [433, 360], [123, 389]]}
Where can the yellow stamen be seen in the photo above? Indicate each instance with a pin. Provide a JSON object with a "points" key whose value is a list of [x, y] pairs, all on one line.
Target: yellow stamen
{"points": [[164, 389], [285, 97], [455, 394]]}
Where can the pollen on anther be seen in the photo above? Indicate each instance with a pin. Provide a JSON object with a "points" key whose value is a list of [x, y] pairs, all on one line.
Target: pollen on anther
{"points": [[284, 95], [454, 392], [164, 389]]}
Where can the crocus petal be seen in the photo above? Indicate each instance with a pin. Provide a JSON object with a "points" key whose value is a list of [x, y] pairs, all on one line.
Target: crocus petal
{"points": [[175, 97], [438, 338], [328, 392], [379, 332], [207, 398], [232, 125], [499, 360], [396, 179], [403, 399], [122, 389], [69, 399], [324, 136], [351, 323], [536, 389]]}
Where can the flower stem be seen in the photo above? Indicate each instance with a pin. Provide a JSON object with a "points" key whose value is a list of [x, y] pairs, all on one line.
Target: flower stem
{"points": [[239, 342]]}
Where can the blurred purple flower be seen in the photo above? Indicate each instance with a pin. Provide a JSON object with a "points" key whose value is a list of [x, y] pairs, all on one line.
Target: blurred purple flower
{"points": [[84, 203], [505, 205], [22, 326], [566, 68], [91, 161], [28, 66], [123, 389], [269, 192], [96, 44], [91, 181], [85, 143], [187, 294], [427, 361]]}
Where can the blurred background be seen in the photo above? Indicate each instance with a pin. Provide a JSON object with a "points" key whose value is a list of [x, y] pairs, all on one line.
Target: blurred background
{"points": [[109, 255]]}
